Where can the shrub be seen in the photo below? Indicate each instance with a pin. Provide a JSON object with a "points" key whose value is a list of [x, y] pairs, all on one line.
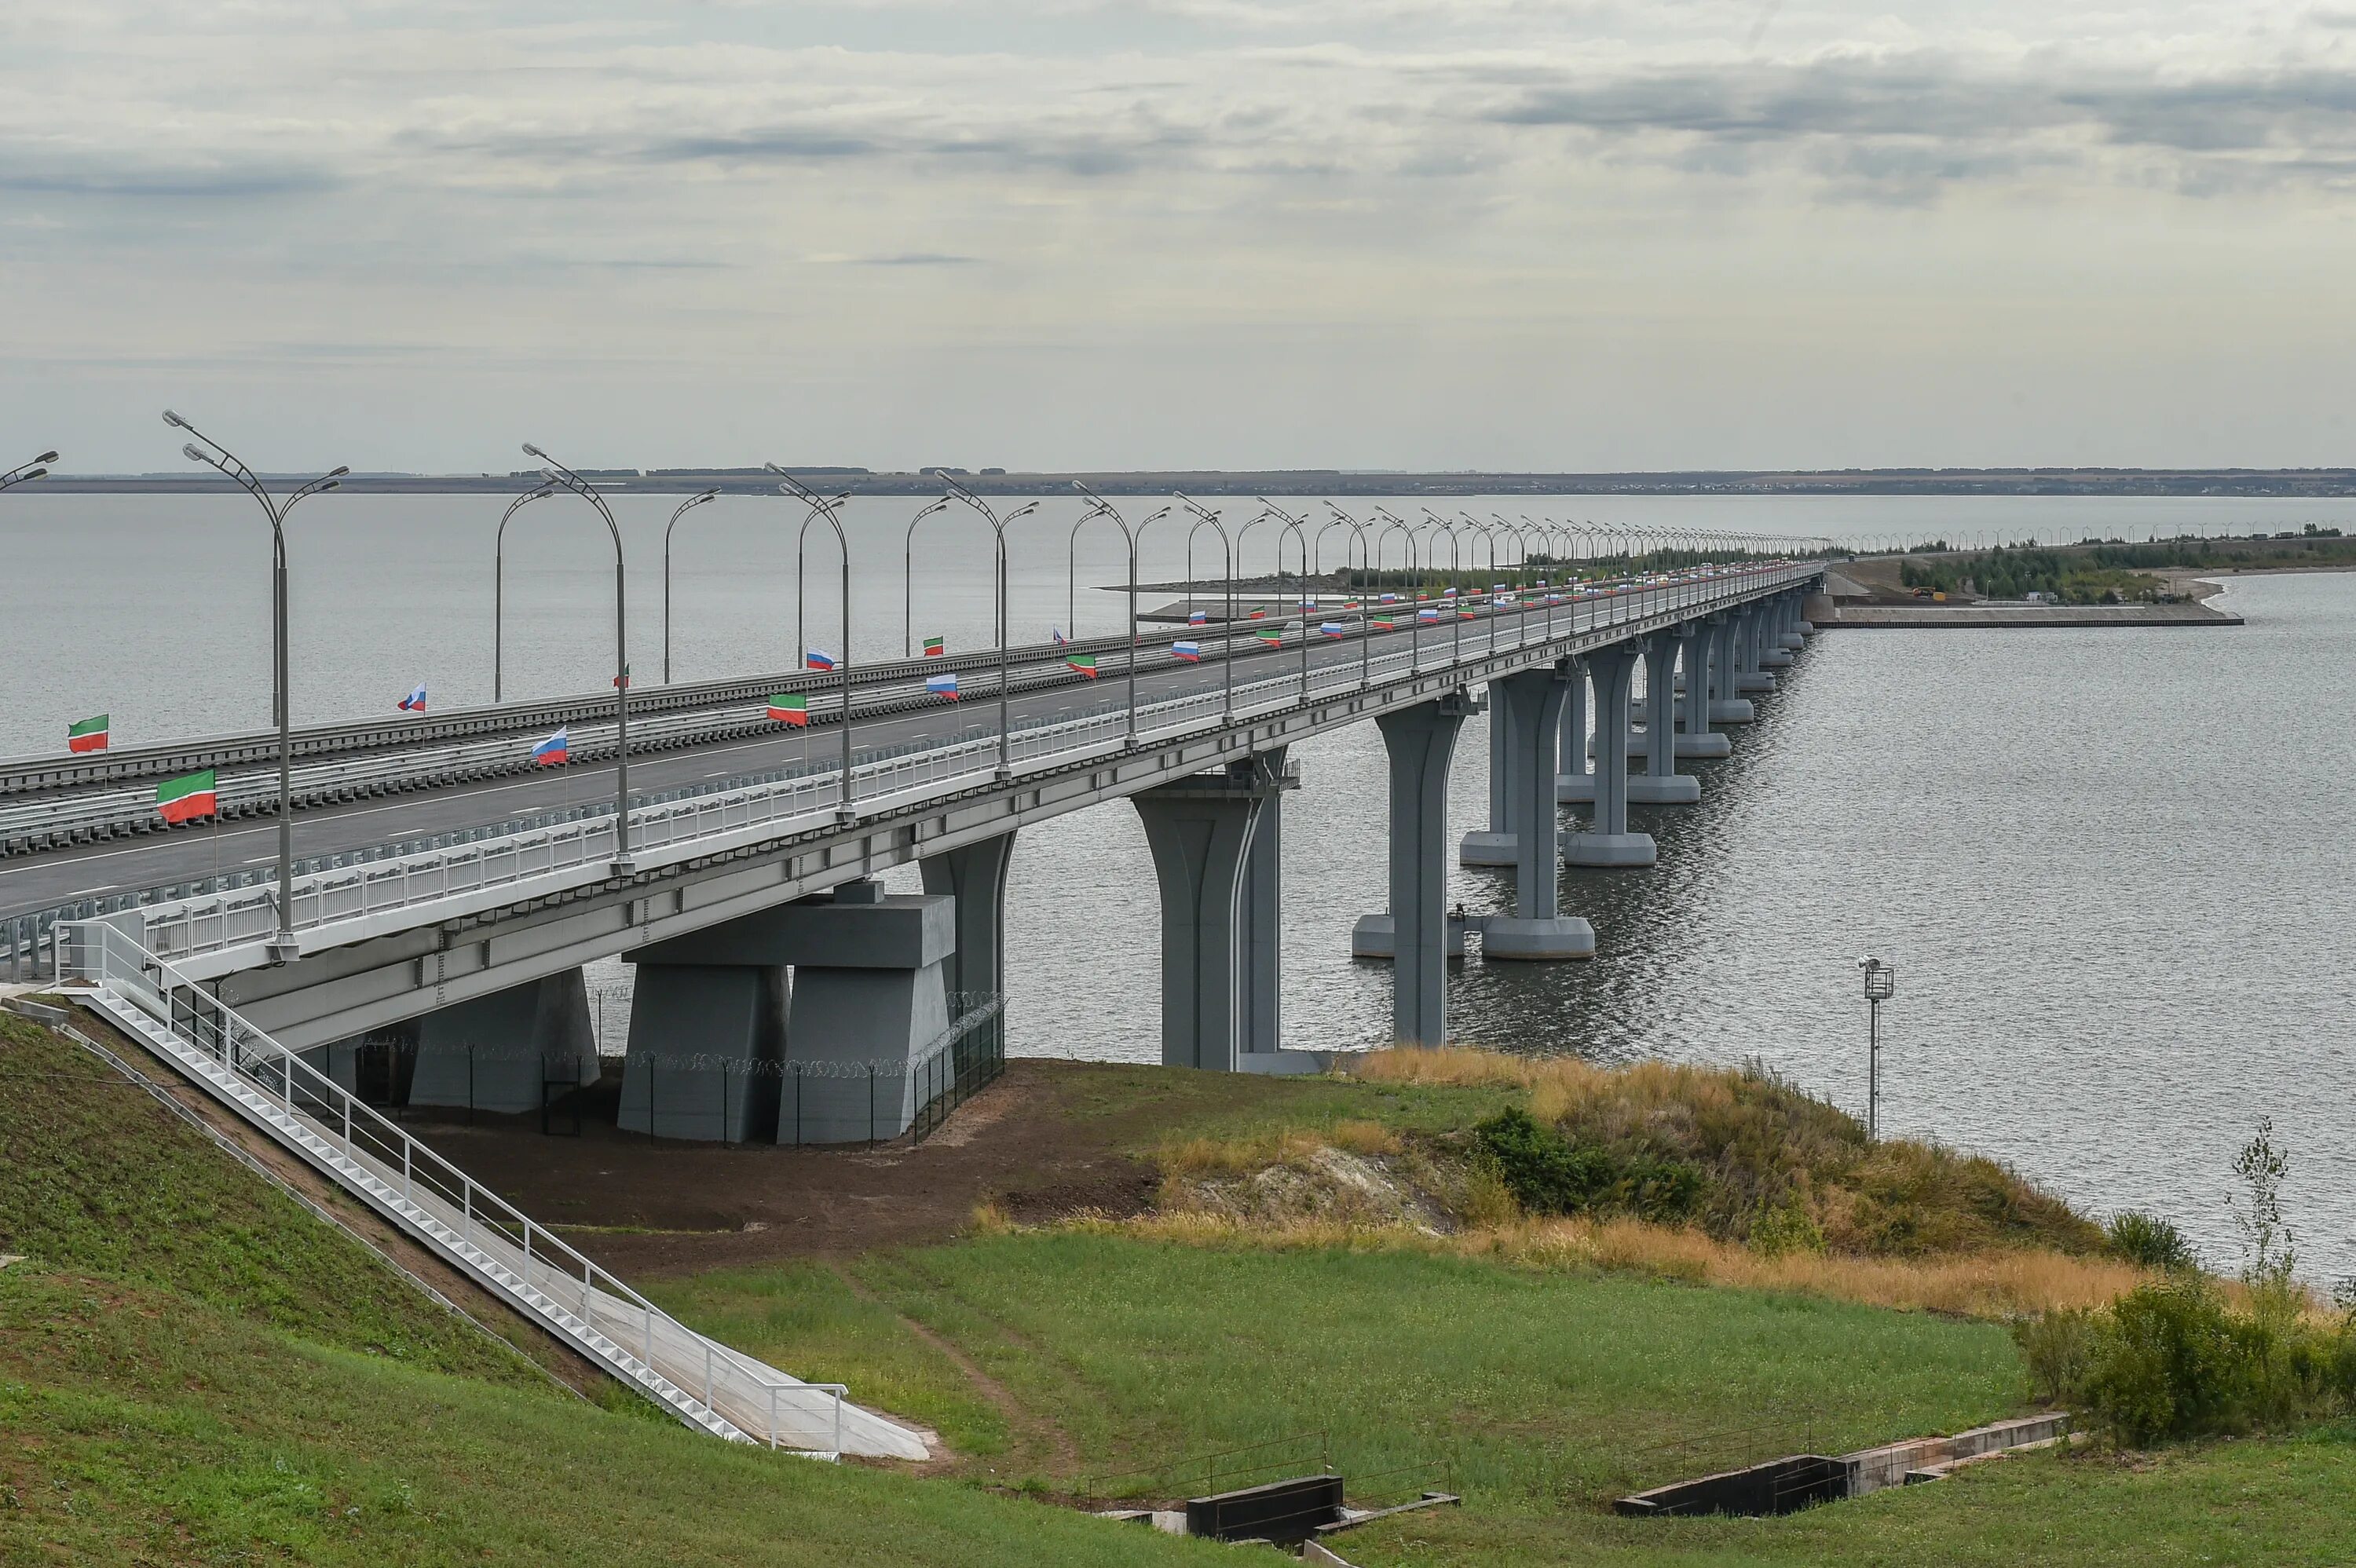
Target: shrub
{"points": [[2058, 1348], [1785, 1227], [2142, 1237], [1549, 1174]]}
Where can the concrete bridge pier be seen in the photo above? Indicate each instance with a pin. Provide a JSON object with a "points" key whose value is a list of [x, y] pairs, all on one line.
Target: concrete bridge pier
{"points": [[1221, 902], [975, 876], [1773, 616], [718, 1051], [1660, 783], [505, 1053], [1609, 842], [1789, 628], [1726, 705], [1696, 738], [1574, 780], [1531, 703], [1496, 847], [1749, 675], [1419, 936]]}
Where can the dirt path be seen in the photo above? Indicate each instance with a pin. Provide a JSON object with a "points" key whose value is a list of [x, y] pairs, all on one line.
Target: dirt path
{"points": [[1032, 1430]]}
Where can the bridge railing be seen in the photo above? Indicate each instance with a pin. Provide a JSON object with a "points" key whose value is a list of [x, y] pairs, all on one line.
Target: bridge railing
{"points": [[704, 1382], [528, 863]]}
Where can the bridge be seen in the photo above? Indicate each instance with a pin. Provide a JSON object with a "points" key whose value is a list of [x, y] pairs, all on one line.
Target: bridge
{"points": [[451, 892], [427, 949]]}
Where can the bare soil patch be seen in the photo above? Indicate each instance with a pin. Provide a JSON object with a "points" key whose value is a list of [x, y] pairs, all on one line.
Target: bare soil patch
{"points": [[1045, 1141]]}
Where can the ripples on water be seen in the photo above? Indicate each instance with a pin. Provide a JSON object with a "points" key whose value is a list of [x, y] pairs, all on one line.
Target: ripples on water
{"points": [[2112, 867]]}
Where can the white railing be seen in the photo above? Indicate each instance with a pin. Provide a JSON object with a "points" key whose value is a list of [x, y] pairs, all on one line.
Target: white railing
{"points": [[705, 1383], [539, 861]]}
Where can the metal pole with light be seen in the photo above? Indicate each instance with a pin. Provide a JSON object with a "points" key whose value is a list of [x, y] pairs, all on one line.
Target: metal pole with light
{"points": [[499, 585], [998, 526], [564, 478], [201, 448], [1881, 985], [831, 508], [25, 473], [1101, 507], [1205, 516], [907, 578], [1297, 527], [684, 508], [1343, 520]]}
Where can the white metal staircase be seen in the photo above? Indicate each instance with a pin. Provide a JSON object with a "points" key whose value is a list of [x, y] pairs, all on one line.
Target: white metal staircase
{"points": [[705, 1383]]}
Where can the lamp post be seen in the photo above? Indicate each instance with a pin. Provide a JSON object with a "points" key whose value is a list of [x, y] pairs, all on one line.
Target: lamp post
{"points": [[998, 527], [1205, 517], [499, 585], [25, 473], [562, 478], [1343, 520], [1455, 569], [684, 508], [1101, 507], [1393, 523], [1881, 985], [908, 579], [1296, 527], [200, 448], [831, 508]]}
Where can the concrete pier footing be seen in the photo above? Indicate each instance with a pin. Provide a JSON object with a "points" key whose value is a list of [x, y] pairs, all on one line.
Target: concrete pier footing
{"points": [[1661, 783], [1494, 845], [1609, 842], [507, 1052], [1373, 936]]}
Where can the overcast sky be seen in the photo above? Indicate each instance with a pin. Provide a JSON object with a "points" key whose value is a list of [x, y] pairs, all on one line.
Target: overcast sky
{"points": [[1554, 234]]}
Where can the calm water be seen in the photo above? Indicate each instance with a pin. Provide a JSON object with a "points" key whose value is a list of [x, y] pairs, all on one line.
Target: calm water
{"points": [[2112, 868]]}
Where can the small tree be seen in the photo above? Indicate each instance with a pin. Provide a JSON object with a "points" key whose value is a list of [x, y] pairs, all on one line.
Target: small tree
{"points": [[2269, 1251]]}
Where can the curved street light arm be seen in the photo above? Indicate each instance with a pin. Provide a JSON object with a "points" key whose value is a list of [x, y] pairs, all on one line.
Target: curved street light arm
{"points": [[677, 513]]}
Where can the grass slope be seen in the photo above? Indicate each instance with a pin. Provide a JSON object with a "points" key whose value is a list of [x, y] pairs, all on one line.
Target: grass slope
{"points": [[195, 1369]]}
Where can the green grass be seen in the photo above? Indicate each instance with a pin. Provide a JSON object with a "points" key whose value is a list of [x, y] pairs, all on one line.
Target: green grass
{"points": [[139, 1426], [1534, 1392]]}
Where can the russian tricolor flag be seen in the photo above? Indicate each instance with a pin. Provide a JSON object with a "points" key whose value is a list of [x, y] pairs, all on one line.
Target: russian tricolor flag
{"points": [[1197, 617], [817, 658], [414, 702], [1186, 651], [552, 752], [1057, 633], [1390, 599], [1427, 614], [942, 686], [1331, 629]]}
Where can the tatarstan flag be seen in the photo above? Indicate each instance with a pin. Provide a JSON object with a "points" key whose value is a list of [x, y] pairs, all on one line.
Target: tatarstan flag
{"points": [[1086, 664], [187, 798], [790, 707], [90, 735], [936, 648]]}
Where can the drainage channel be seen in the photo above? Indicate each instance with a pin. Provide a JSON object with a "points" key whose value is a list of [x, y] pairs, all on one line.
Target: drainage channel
{"points": [[1799, 1481]]}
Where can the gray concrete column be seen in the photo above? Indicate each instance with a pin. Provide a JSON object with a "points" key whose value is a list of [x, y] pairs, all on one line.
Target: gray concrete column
{"points": [[1609, 842], [1726, 706], [1201, 831], [1787, 626], [1749, 675], [1263, 920], [706, 1042], [503, 1052], [1772, 613], [716, 1049], [975, 876], [1531, 704], [1421, 740], [1694, 639], [1496, 847], [1661, 783], [1574, 780]]}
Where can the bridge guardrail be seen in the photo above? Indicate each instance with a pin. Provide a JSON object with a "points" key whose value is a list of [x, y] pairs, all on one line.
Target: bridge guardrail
{"points": [[488, 873], [705, 1383]]}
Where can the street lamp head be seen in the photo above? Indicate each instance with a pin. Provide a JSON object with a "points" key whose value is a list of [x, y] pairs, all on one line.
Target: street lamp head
{"points": [[531, 451], [338, 471], [1026, 508], [188, 450], [175, 421], [34, 473], [47, 457]]}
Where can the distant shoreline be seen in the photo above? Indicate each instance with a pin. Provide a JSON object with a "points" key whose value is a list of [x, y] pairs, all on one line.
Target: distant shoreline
{"points": [[2245, 484]]}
